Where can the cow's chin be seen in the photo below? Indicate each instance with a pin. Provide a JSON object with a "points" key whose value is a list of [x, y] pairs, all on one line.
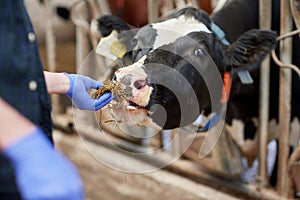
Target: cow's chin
{"points": [[132, 114]]}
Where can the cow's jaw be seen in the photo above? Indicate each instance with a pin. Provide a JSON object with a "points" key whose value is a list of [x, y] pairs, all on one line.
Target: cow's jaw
{"points": [[132, 116]]}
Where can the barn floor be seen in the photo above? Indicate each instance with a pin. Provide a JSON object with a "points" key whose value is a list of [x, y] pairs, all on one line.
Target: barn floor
{"points": [[102, 182]]}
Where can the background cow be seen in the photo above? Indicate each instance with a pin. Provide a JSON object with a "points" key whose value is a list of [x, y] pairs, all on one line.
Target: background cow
{"points": [[244, 100]]}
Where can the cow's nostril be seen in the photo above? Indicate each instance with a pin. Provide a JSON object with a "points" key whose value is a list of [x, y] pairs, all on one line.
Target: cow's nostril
{"points": [[114, 78], [139, 84]]}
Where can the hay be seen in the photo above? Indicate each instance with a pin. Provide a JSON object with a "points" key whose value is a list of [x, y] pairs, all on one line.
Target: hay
{"points": [[116, 88]]}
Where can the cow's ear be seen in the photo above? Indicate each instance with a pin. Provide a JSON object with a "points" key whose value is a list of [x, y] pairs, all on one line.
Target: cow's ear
{"points": [[108, 23], [118, 36], [250, 49]]}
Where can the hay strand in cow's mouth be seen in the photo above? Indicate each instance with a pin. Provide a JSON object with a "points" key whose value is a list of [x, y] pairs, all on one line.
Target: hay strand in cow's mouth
{"points": [[115, 87]]}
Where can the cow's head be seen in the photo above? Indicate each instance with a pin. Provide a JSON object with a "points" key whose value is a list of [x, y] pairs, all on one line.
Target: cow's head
{"points": [[175, 65]]}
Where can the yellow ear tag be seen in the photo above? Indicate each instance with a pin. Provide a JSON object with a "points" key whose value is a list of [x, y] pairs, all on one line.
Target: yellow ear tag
{"points": [[110, 47], [117, 48]]}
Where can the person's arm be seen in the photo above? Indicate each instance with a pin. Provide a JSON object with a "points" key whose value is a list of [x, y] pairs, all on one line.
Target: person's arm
{"points": [[13, 126], [57, 83], [41, 172], [76, 87]]}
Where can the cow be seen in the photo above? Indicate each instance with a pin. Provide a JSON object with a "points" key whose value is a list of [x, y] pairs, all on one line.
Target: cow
{"points": [[174, 69], [243, 107]]}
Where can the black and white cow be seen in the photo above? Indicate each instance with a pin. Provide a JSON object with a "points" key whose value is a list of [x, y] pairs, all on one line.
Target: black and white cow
{"points": [[244, 100], [173, 67], [183, 43]]}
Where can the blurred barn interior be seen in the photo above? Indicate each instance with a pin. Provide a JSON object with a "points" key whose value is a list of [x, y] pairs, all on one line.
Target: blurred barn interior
{"points": [[65, 41]]}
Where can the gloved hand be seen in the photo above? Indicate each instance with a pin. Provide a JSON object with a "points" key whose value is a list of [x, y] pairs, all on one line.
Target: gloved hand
{"points": [[79, 85], [41, 171]]}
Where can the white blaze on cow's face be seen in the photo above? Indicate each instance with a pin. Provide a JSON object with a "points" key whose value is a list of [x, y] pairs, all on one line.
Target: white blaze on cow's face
{"points": [[132, 110], [133, 78], [158, 34], [170, 30]]}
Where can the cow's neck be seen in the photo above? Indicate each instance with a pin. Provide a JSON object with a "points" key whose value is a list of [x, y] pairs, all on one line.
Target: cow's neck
{"points": [[236, 17]]}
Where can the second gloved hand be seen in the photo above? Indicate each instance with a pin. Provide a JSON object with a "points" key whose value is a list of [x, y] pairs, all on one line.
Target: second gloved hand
{"points": [[41, 171], [79, 85]]}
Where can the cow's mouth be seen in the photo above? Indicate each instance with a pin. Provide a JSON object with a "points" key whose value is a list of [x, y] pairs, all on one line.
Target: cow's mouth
{"points": [[133, 106], [131, 103], [127, 105]]}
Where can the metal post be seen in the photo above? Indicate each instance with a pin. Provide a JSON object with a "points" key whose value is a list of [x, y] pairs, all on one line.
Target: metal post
{"points": [[83, 48], [153, 13], [265, 23], [51, 53], [179, 4], [193, 3], [284, 99]]}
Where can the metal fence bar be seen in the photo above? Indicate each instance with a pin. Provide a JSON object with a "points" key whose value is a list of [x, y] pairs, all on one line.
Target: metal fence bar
{"points": [[265, 23], [284, 100], [153, 13], [51, 52]]}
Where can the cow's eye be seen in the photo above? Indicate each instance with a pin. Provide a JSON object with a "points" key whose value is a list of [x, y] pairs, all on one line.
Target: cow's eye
{"points": [[200, 52]]}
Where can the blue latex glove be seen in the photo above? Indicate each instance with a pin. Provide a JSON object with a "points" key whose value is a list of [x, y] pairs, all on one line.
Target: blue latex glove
{"points": [[41, 171], [79, 85]]}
